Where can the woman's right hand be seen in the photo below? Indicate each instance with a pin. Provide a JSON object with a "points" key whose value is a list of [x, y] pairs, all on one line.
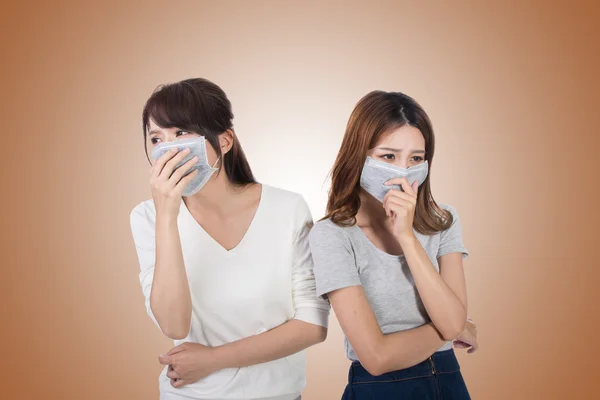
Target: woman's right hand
{"points": [[167, 183]]}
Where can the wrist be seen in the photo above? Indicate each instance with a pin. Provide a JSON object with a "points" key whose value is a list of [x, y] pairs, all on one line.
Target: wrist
{"points": [[166, 219], [219, 358], [407, 239]]}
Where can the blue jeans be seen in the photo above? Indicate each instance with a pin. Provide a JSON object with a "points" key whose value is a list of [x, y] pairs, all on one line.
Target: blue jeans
{"points": [[437, 378]]}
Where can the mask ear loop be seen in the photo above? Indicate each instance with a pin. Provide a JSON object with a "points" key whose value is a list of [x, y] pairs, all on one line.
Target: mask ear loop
{"points": [[205, 152]]}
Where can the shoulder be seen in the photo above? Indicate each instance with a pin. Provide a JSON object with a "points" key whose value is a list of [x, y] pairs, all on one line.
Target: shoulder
{"points": [[326, 237], [284, 202], [143, 213], [450, 209], [284, 211], [452, 217], [282, 196], [327, 225], [326, 230], [447, 207]]}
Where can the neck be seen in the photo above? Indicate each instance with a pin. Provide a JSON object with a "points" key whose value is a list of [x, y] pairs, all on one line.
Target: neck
{"points": [[218, 196], [371, 212]]}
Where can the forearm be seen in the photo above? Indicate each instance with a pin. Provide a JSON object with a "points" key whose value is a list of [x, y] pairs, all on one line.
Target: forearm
{"points": [[408, 348], [170, 298], [282, 341], [443, 306]]}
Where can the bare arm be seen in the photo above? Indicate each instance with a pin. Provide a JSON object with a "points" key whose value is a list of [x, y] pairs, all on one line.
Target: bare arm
{"points": [[170, 298], [445, 305], [377, 352], [337, 275], [282, 341], [190, 362], [443, 294]]}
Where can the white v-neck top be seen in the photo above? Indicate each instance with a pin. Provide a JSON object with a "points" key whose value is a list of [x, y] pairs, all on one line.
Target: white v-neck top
{"points": [[266, 280]]}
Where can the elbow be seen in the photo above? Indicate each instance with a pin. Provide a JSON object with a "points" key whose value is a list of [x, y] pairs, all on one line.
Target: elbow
{"points": [[175, 326], [373, 370], [375, 365], [175, 331], [321, 335], [375, 362], [175, 334], [316, 334], [453, 330]]}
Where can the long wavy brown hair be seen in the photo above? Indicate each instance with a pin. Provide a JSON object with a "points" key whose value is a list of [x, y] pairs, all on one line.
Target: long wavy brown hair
{"points": [[375, 115]]}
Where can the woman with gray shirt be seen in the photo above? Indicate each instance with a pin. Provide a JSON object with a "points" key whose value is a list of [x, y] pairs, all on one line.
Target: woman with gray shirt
{"points": [[390, 259]]}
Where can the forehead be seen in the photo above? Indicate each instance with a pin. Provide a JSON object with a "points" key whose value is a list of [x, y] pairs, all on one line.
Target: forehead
{"points": [[406, 136], [153, 126]]}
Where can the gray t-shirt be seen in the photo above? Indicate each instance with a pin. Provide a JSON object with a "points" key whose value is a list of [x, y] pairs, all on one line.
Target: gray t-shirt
{"points": [[344, 256]]}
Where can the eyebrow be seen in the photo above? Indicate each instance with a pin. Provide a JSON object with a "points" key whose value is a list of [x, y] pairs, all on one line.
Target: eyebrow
{"points": [[154, 131], [399, 150]]}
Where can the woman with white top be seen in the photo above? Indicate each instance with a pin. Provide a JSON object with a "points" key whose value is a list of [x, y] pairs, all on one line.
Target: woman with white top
{"points": [[225, 263], [390, 260]]}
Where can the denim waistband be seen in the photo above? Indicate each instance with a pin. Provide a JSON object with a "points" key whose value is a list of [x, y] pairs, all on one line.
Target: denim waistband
{"points": [[441, 362]]}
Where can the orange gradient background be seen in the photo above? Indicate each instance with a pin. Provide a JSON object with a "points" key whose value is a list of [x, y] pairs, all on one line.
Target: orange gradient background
{"points": [[512, 90]]}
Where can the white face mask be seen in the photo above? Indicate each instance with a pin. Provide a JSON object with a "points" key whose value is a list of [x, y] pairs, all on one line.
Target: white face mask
{"points": [[197, 146], [375, 173]]}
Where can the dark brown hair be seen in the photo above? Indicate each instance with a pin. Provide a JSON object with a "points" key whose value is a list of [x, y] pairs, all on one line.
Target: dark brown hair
{"points": [[377, 114], [198, 105]]}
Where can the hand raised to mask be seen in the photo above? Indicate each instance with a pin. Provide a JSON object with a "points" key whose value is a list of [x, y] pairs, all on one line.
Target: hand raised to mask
{"points": [[400, 206], [167, 183]]}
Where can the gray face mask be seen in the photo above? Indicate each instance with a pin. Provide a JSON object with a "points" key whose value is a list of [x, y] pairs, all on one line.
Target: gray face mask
{"points": [[375, 173], [197, 146]]}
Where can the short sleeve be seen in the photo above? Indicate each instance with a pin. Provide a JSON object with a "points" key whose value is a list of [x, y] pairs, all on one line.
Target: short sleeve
{"points": [[335, 265], [143, 231], [451, 240], [308, 307]]}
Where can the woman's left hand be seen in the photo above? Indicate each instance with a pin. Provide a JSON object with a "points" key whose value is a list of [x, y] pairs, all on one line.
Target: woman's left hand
{"points": [[401, 206], [188, 363], [468, 338]]}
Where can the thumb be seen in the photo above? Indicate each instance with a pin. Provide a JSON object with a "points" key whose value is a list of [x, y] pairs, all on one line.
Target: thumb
{"points": [[164, 359], [178, 383], [415, 186], [176, 349]]}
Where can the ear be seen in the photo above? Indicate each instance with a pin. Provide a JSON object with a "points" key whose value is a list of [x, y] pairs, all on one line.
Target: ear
{"points": [[226, 141]]}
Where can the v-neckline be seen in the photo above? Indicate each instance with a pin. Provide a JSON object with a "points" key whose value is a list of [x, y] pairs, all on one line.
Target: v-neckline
{"points": [[211, 239]]}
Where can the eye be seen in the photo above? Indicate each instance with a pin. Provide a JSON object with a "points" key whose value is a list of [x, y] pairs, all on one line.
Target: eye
{"points": [[180, 132], [154, 140], [417, 158], [388, 157]]}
